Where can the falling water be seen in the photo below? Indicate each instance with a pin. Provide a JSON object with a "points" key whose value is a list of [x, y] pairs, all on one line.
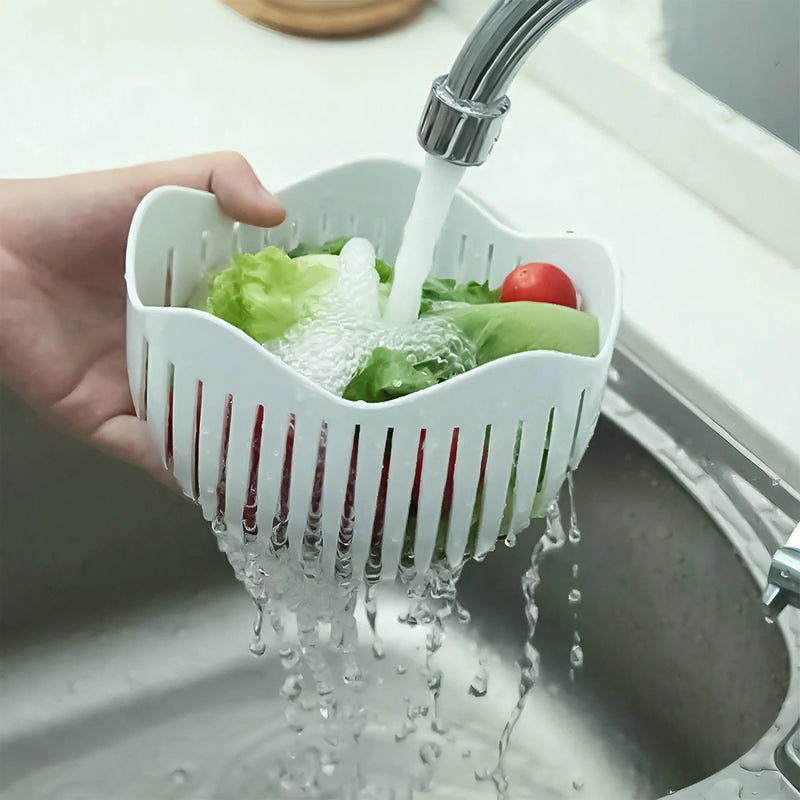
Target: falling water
{"points": [[553, 538], [435, 192], [575, 596]]}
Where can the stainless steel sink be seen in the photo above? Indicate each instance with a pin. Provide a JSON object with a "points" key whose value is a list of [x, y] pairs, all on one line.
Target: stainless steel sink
{"points": [[126, 672]]}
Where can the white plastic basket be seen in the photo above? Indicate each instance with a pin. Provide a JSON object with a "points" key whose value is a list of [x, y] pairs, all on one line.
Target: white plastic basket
{"points": [[324, 467]]}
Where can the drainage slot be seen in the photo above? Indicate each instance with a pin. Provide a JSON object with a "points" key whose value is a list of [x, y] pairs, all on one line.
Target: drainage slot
{"points": [[143, 382], [280, 522], [343, 568], [410, 541], [237, 237], [508, 512], [311, 548], [462, 249], [489, 260], [249, 525], [577, 427], [374, 560], [223, 458], [294, 235], [168, 278], [477, 508], [380, 236], [169, 447], [440, 553], [204, 249], [195, 467], [545, 453]]}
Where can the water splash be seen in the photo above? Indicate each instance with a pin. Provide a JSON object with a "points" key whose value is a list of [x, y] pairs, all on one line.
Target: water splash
{"points": [[554, 538], [257, 645], [432, 602], [575, 595], [371, 608], [479, 686], [347, 326]]}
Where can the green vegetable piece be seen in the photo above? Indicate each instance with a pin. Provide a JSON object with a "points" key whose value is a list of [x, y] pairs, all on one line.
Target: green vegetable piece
{"points": [[388, 374], [332, 247], [267, 293], [443, 290], [385, 272], [502, 329]]}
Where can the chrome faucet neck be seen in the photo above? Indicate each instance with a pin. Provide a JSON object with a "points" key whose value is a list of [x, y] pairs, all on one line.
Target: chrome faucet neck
{"points": [[466, 108]]}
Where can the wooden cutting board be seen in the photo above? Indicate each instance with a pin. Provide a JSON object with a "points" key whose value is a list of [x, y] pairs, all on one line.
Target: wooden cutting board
{"points": [[328, 18]]}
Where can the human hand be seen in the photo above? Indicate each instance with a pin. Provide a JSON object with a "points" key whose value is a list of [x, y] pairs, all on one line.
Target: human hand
{"points": [[62, 289]]}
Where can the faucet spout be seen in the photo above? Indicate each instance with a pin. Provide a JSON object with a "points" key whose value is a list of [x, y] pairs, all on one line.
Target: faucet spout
{"points": [[467, 107], [783, 581]]}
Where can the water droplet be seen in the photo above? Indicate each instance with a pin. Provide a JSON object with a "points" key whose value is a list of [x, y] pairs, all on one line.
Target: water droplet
{"points": [[575, 572], [511, 540], [429, 752], [466, 753], [401, 669], [219, 527], [292, 686], [576, 656], [578, 784], [480, 684], [179, 776], [353, 676], [328, 763], [257, 646], [289, 656], [574, 597]]}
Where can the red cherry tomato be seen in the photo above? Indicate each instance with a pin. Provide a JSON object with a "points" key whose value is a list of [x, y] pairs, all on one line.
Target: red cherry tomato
{"points": [[539, 283]]}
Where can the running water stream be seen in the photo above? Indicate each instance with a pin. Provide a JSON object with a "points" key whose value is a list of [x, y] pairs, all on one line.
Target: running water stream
{"points": [[437, 187]]}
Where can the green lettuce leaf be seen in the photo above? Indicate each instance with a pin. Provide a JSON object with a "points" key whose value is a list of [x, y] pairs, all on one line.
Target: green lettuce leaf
{"points": [[446, 290], [387, 374], [266, 293], [332, 247], [502, 329]]}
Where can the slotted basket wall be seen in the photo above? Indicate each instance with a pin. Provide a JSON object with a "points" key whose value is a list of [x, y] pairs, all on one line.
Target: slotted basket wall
{"points": [[275, 456]]}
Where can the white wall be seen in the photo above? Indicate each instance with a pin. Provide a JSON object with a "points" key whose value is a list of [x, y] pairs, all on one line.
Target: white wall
{"points": [[744, 52]]}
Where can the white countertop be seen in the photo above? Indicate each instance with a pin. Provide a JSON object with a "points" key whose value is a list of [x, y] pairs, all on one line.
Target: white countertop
{"points": [[98, 83]]}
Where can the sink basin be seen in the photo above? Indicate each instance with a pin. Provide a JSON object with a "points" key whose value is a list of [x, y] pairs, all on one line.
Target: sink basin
{"points": [[127, 675]]}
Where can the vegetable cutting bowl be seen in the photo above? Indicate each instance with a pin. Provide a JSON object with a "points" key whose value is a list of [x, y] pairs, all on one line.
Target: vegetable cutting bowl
{"points": [[275, 457]]}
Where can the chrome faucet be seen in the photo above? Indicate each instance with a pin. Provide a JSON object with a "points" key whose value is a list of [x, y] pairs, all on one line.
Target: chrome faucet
{"points": [[467, 107], [462, 120], [783, 581]]}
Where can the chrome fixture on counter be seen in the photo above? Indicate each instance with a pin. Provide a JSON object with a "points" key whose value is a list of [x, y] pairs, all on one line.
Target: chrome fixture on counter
{"points": [[783, 581]]}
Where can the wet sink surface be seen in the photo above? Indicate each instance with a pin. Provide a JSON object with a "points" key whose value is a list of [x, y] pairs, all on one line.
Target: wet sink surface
{"points": [[127, 673]]}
